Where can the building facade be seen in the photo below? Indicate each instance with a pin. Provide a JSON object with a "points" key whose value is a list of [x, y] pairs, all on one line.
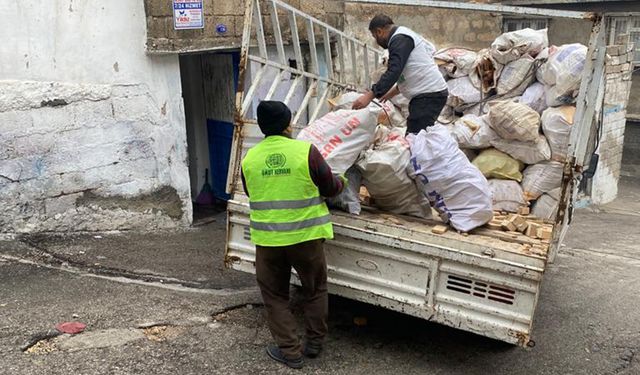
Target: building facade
{"points": [[111, 119]]}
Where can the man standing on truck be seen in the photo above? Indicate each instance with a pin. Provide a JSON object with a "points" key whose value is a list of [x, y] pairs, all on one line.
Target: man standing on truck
{"points": [[411, 71], [285, 180]]}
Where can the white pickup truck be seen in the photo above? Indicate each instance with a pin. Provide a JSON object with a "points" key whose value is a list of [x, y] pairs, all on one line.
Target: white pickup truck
{"points": [[475, 282]]}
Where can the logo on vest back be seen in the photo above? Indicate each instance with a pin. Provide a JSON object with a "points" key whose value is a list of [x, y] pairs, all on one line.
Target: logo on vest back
{"points": [[275, 163]]}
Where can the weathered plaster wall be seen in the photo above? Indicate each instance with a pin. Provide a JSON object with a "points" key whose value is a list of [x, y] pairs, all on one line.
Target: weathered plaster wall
{"points": [[444, 27], [92, 129], [633, 112], [604, 188], [566, 31], [162, 37]]}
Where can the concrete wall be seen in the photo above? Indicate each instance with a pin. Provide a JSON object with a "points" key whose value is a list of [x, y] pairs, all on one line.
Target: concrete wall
{"points": [[163, 38], [444, 27], [92, 129], [604, 187], [633, 111], [567, 31]]}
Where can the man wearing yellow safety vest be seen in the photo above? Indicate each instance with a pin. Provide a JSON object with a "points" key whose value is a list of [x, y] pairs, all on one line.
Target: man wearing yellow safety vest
{"points": [[285, 180]]}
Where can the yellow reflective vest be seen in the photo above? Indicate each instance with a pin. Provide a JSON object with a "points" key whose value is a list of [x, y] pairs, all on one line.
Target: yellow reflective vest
{"points": [[286, 206]]}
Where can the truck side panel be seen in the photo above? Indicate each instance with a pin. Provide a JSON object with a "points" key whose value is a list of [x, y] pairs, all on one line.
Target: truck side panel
{"points": [[474, 292]]}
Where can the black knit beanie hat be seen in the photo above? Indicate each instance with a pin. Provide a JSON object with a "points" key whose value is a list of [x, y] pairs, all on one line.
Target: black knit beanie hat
{"points": [[273, 117]]}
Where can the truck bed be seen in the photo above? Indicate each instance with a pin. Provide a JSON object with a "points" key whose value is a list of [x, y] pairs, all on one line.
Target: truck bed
{"points": [[473, 282]]}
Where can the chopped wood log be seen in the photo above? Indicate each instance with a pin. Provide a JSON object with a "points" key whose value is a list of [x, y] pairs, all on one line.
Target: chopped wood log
{"points": [[494, 225], [505, 236], [524, 210], [508, 226], [545, 233], [532, 230], [439, 229]]}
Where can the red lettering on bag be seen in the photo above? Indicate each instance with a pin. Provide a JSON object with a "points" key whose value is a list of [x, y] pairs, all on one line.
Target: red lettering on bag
{"points": [[327, 149], [336, 140]]}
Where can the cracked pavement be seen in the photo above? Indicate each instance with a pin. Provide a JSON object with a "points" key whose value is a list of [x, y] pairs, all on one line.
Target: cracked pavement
{"points": [[162, 303]]}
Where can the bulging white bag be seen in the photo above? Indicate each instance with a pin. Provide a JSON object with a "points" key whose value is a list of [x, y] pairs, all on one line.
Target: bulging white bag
{"points": [[384, 173], [349, 199], [460, 62], [541, 178], [472, 132], [535, 97], [527, 152], [506, 195], [514, 121], [563, 72], [344, 100], [402, 103], [556, 125], [389, 114], [342, 135], [513, 45], [462, 92], [546, 207], [455, 188], [516, 76]]}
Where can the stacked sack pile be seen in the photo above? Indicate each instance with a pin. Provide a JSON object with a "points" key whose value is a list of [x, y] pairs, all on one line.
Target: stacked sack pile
{"points": [[369, 146], [499, 144], [401, 175], [511, 109]]}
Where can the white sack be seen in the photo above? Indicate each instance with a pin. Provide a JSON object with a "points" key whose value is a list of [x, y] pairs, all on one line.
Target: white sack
{"points": [[384, 173], [479, 109], [541, 178], [563, 73], [344, 100], [456, 189], [472, 132], [340, 136], [535, 97], [461, 92], [460, 62], [513, 45], [447, 115], [402, 103], [514, 121], [506, 195], [546, 207], [389, 114], [349, 199], [527, 152], [556, 125], [486, 73], [516, 76]]}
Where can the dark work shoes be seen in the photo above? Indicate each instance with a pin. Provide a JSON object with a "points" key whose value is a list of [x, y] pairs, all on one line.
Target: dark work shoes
{"points": [[274, 352], [312, 350]]}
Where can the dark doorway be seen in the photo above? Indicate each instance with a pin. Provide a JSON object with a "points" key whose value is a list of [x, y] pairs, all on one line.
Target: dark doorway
{"points": [[209, 82]]}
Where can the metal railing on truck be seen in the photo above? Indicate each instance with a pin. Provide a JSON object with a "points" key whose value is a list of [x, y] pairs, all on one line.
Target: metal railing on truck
{"points": [[301, 60], [303, 72]]}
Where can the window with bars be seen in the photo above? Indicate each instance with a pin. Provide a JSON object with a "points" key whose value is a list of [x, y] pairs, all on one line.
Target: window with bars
{"points": [[626, 25], [513, 24]]}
